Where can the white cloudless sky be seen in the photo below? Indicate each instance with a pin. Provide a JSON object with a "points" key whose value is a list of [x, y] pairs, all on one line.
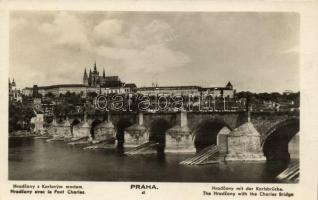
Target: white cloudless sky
{"points": [[255, 51]]}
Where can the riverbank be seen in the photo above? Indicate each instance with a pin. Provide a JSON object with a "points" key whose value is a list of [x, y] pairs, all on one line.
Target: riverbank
{"points": [[21, 133]]}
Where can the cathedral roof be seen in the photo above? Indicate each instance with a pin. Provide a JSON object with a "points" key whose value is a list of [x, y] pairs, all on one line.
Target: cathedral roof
{"points": [[112, 84], [111, 78]]}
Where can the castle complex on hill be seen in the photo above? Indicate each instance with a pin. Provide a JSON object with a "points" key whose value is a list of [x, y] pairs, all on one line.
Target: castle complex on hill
{"points": [[102, 84], [92, 82]]}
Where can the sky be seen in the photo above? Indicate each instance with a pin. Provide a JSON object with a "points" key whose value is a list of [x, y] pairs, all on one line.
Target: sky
{"points": [[256, 52]]}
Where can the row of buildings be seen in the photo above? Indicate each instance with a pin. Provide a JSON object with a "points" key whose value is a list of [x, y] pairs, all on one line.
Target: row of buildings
{"points": [[102, 84]]}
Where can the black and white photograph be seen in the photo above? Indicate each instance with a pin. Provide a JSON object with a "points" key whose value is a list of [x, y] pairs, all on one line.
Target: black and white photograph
{"points": [[154, 96]]}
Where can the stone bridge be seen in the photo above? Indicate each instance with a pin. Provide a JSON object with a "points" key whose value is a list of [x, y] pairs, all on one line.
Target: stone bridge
{"points": [[186, 131]]}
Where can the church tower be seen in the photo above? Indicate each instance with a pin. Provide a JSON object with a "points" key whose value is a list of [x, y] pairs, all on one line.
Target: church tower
{"points": [[85, 78], [95, 69], [90, 77], [95, 76], [13, 85]]}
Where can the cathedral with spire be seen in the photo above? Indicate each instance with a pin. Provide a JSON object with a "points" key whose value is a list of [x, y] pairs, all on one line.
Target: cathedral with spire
{"points": [[93, 79]]}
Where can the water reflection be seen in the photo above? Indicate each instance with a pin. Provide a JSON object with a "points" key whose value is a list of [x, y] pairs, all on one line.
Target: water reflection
{"points": [[120, 149], [161, 153]]}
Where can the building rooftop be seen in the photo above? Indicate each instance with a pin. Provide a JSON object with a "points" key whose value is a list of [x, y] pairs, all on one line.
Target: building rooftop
{"points": [[61, 85], [216, 88], [170, 87], [130, 85]]}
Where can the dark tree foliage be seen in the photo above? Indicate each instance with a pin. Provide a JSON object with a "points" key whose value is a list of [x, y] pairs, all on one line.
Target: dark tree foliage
{"points": [[91, 95], [19, 116], [275, 97], [68, 103], [50, 95]]}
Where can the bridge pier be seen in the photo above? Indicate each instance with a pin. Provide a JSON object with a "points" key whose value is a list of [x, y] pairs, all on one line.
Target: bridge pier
{"points": [[81, 129], [244, 144], [293, 147], [105, 131], [136, 134], [62, 130], [179, 138], [222, 139], [52, 128]]}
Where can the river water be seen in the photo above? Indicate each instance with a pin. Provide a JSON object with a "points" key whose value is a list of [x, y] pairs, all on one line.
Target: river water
{"points": [[35, 159]]}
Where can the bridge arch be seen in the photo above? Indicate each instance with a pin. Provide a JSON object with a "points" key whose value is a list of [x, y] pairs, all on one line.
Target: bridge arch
{"points": [[276, 144], [120, 127], [206, 132], [158, 129], [94, 123]]}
